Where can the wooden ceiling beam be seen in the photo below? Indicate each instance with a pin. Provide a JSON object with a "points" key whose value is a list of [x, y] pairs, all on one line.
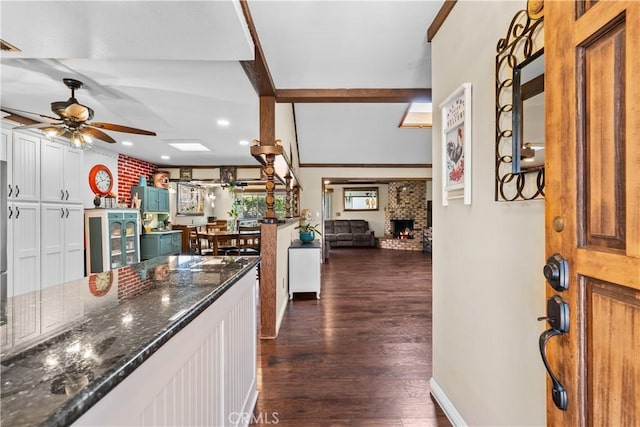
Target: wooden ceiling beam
{"points": [[352, 95], [257, 70], [444, 11]]}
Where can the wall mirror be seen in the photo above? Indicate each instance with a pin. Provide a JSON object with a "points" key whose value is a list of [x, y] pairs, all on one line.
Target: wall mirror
{"points": [[528, 114], [520, 109], [360, 198]]}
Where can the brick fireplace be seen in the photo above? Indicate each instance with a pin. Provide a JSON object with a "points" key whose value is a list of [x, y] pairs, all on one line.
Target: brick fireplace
{"points": [[407, 202]]}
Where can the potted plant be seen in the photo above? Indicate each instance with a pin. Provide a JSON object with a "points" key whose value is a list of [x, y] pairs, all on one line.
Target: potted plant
{"points": [[307, 232]]}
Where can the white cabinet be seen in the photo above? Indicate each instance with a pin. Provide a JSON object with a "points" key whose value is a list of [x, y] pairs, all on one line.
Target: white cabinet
{"points": [[61, 169], [45, 241], [24, 170], [23, 228], [304, 267], [62, 258]]}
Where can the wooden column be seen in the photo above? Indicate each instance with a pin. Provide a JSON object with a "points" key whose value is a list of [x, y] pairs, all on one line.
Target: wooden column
{"points": [[296, 201], [287, 205], [268, 150]]}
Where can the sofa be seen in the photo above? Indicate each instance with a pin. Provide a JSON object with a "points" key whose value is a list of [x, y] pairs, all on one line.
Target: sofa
{"points": [[348, 232]]}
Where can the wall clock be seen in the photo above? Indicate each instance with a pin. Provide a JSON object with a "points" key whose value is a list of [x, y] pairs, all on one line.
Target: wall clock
{"points": [[100, 283], [100, 180]]}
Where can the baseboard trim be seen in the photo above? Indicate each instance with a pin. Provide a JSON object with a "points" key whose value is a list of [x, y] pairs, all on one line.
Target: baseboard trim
{"points": [[447, 406]]}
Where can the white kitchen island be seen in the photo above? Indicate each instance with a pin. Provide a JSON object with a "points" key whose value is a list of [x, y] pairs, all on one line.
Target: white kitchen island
{"points": [[169, 341]]}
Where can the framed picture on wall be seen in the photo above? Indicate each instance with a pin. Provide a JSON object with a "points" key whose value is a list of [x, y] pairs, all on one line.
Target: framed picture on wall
{"points": [[456, 145], [228, 174], [186, 174]]}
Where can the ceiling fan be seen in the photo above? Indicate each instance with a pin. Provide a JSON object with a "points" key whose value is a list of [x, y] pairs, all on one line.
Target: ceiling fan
{"points": [[73, 121]]}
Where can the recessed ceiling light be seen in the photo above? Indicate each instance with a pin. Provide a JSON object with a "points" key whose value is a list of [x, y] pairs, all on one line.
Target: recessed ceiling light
{"points": [[165, 157], [223, 122], [189, 146], [244, 142], [127, 143]]}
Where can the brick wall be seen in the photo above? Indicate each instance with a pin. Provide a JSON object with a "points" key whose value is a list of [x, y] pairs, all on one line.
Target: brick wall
{"points": [[407, 200], [129, 172], [130, 284]]}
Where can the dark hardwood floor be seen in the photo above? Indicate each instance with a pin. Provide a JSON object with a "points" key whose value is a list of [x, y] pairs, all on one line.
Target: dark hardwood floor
{"points": [[359, 356]]}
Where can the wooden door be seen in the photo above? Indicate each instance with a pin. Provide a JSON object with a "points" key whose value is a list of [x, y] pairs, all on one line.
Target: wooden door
{"points": [[592, 60]]}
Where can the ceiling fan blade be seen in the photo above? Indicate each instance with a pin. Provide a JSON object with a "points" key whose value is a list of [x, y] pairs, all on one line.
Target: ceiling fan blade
{"points": [[21, 119], [17, 112], [98, 134], [120, 128], [37, 125]]}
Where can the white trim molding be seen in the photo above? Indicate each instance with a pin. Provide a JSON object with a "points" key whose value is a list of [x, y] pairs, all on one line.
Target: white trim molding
{"points": [[447, 405]]}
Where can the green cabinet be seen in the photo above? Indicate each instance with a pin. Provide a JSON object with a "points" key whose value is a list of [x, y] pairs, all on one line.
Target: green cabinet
{"points": [[153, 199], [158, 244], [112, 238]]}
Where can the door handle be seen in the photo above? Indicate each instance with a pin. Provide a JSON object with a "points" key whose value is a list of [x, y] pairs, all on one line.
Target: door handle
{"points": [[558, 392], [556, 271], [61, 194], [558, 318], [10, 212], [67, 192], [17, 191], [67, 216], [61, 213], [17, 211], [10, 190]]}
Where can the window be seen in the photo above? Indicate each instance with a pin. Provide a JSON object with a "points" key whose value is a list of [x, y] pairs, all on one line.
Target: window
{"points": [[255, 206]]}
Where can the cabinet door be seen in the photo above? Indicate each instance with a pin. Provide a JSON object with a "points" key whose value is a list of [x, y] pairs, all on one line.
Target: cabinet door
{"points": [[73, 243], [304, 270], [116, 231], [153, 201], [52, 266], [166, 244], [131, 241], [176, 243], [25, 225], [25, 167], [72, 174], [52, 245], [163, 200], [52, 161], [149, 246], [62, 259]]}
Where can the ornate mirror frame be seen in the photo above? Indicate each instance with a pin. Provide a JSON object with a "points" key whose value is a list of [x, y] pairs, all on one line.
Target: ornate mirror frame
{"points": [[523, 42]]}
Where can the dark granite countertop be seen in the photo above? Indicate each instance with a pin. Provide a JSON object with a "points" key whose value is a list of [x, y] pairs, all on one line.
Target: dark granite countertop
{"points": [[112, 327]]}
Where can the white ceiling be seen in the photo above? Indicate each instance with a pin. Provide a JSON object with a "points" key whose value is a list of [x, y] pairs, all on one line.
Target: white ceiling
{"points": [[172, 67]]}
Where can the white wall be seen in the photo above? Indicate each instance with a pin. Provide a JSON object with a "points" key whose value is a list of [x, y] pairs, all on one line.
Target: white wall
{"points": [[375, 218], [311, 178], [286, 234], [488, 287], [92, 157]]}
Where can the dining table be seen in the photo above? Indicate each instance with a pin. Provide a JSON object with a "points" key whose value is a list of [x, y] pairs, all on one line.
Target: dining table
{"points": [[216, 238]]}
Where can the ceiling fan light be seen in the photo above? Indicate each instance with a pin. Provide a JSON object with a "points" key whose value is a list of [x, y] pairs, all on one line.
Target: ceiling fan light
{"points": [[52, 132], [77, 111], [77, 141], [86, 138]]}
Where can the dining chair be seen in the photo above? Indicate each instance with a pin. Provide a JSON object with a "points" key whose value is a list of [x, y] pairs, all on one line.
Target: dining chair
{"points": [[195, 243], [249, 240]]}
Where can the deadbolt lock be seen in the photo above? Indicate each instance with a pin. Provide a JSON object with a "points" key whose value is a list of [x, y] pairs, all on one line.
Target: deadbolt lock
{"points": [[556, 271]]}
